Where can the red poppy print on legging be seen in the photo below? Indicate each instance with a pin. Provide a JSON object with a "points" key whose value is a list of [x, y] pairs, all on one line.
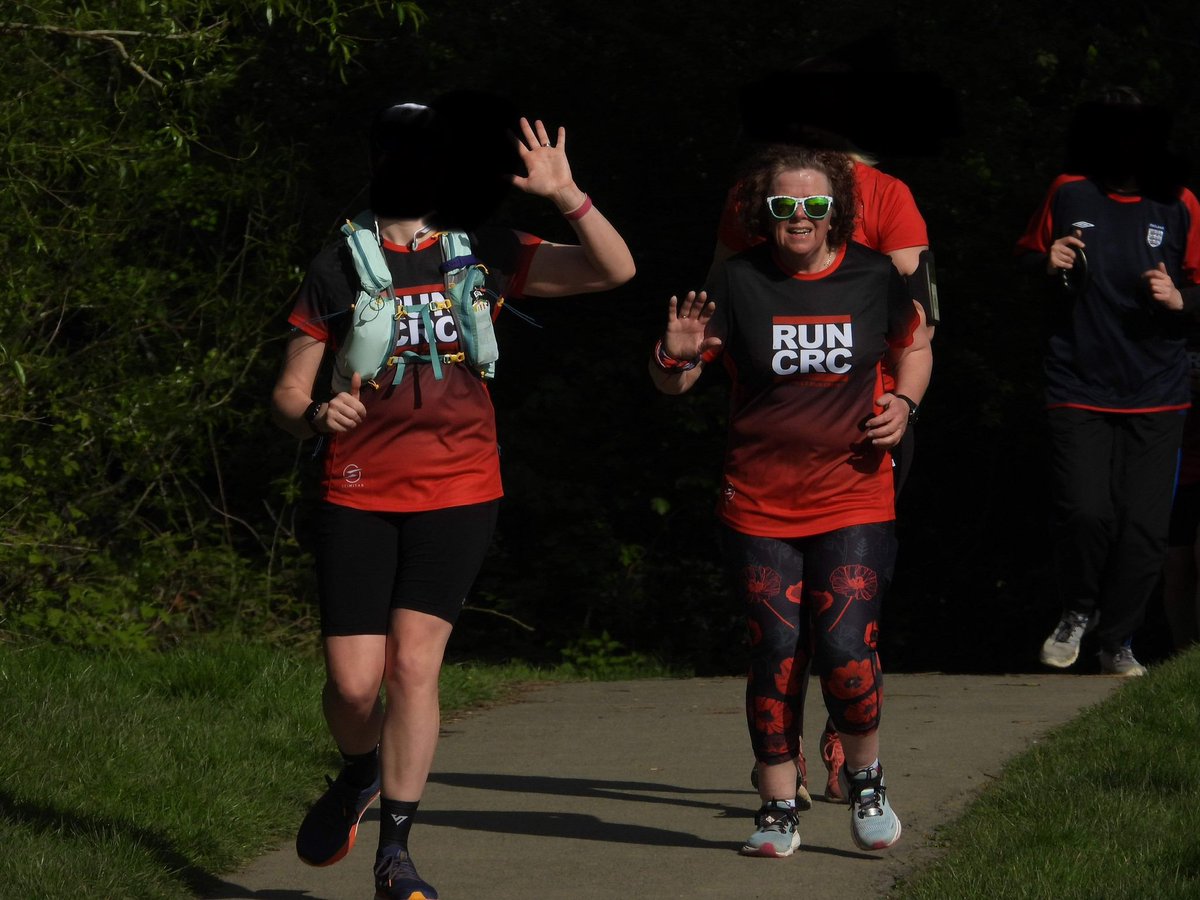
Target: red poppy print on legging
{"points": [[852, 680], [853, 583]]}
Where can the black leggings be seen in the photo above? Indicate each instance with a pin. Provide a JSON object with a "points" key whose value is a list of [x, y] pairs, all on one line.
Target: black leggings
{"points": [[811, 599]]}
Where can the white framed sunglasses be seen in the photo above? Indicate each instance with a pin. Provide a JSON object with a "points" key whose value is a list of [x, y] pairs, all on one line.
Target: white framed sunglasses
{"points": [[816, 207]]}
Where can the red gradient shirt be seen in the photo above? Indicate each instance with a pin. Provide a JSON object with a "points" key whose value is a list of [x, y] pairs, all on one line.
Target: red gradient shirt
{"points": [[805, 354], [425, 443]]}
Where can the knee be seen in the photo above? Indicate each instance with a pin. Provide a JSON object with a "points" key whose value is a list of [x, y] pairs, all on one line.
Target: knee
{"points": [[358, 691], [410, 672]]}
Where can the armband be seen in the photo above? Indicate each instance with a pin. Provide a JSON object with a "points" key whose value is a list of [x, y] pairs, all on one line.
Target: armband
{"points": [[922, 285]]}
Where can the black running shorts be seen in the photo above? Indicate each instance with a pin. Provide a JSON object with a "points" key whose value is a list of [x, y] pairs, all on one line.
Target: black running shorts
{"points": [[369, 563]]}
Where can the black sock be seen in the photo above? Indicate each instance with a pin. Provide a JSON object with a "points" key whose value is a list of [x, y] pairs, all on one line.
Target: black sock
{"points": [[395, 822], [359, 769]]}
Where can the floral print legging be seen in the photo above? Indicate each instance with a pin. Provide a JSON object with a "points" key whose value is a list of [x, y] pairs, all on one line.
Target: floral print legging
{"points": [[814, 599]]}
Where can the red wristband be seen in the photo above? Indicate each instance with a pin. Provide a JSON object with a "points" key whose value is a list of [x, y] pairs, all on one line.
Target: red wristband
{"points": [[580, 211]]}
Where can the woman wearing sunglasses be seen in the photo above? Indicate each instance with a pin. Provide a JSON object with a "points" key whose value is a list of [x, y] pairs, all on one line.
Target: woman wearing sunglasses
{"points": [[803, 323]]}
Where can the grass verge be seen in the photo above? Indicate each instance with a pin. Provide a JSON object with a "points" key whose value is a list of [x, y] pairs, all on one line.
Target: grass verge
{"points": [[140, 776], [1100, 809]]}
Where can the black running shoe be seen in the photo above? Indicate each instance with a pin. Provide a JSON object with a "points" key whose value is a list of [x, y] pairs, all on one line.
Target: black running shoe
{"points": [[328, 831], [396, 878]]}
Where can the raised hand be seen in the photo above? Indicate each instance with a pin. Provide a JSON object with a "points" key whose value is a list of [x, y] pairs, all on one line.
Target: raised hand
{"points": [[548, 174], [687, 320]]}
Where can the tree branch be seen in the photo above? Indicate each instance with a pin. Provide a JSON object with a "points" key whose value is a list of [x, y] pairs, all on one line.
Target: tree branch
{"points": [[109, 36]]}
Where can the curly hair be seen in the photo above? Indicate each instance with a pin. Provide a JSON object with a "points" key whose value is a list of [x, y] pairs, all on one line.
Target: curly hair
{"points": [[754, 186]]}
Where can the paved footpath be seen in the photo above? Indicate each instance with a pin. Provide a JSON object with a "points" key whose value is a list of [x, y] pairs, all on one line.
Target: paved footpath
{"points": [[583, 791]]}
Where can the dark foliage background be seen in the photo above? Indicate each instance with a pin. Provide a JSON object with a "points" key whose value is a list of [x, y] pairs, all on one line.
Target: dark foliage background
{"points": [[606, 536]]}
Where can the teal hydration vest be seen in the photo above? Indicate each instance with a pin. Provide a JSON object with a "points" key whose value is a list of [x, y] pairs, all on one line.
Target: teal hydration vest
{"points": [[370, 342]]}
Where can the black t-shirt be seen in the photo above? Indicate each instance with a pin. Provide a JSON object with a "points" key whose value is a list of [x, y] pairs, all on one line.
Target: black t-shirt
{"points": [[805, 355]]}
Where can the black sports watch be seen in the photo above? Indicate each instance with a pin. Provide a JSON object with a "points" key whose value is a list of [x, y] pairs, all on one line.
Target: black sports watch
{"points": [[314, 410], [914, 410]]}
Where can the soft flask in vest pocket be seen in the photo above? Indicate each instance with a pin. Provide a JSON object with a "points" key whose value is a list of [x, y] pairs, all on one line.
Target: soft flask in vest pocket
{"points": [[372, 333], [470, 304]]}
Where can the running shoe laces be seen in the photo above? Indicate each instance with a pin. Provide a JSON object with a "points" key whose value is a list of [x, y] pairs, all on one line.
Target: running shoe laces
{"points": [[1071, 628], [835, 759], [777, 818]]}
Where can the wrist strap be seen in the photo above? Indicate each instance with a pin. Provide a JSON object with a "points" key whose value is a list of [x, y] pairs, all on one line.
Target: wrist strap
{"points": [[913, 408]]}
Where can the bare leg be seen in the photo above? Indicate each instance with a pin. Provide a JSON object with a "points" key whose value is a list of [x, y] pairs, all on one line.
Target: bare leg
{"points": [[415, 646], [777, 782], [350, 699], [861, 749]]}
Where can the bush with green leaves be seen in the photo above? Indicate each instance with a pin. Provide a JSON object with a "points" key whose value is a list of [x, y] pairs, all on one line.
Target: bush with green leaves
{"points": [[154, 209]]}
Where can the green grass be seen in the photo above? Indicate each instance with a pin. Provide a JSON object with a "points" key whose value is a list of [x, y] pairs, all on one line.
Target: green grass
{"points": [[148, 773], [1104, 809]]}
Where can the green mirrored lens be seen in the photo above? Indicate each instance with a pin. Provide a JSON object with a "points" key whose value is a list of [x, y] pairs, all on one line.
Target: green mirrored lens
{"points": [[782, 207], [816, 207]]}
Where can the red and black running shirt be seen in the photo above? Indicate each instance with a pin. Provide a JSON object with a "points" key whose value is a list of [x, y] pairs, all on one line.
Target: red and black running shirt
{"points": [[425, 443], [805, 355]]}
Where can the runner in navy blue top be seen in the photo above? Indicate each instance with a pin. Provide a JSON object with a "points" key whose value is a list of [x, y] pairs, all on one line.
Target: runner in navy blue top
{"points": [[1122, 254]]}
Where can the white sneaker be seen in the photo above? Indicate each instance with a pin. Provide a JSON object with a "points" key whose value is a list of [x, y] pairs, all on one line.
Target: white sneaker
{"points": [[1061, 649], [776, 832], [873, 823], [1122, 663]]}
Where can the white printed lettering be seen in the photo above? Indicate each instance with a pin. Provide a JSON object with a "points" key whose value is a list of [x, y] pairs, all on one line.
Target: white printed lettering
{"points": [[838, 361], [783, 336]]}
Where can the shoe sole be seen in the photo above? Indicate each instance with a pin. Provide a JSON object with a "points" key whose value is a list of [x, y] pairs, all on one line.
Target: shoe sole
{"points": [[1059, 663], [349, 845], [415, 895]]}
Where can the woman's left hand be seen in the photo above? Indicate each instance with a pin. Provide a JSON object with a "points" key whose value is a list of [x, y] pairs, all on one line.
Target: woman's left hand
{"points": [[886, 429], [548, 174]]}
